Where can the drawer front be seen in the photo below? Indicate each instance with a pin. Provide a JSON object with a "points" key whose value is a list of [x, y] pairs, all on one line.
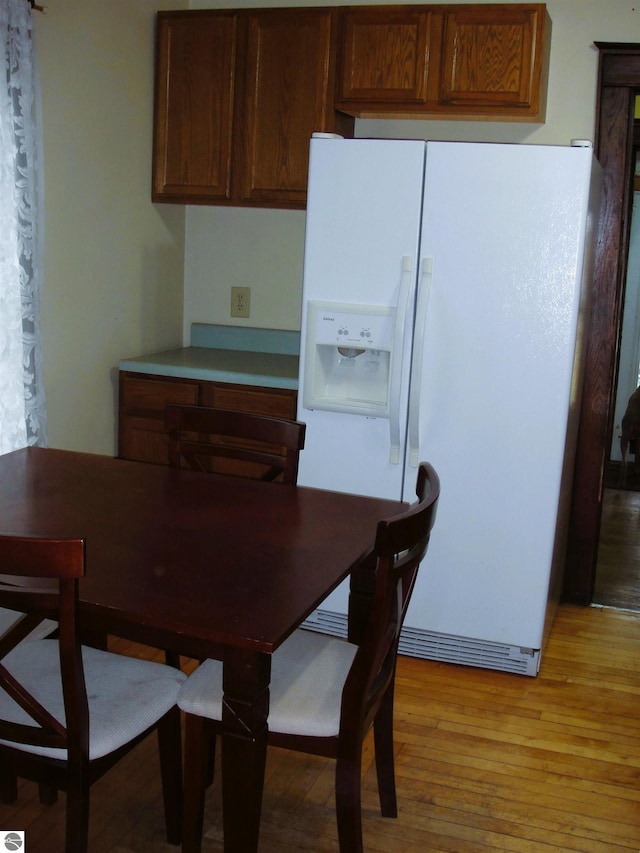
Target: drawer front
{"points": [[277, 402], [146, 397]]}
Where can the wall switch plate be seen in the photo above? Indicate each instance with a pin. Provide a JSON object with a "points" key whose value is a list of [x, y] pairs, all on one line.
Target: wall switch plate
{"points": [[240, 301]]}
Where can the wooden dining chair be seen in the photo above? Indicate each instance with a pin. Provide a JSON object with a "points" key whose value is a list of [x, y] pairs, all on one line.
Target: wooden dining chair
{"points": [[244, 444], [251, 445], [325, 692], [69, 712]]}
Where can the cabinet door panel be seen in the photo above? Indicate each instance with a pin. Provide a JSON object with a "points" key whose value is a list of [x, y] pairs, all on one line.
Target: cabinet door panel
{"points": [[141, 433], [285, 101], [492, 58], [194, 104], [144, 440], [383, 57]]}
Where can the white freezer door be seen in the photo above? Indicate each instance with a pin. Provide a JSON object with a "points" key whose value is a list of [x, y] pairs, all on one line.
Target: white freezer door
{"points": [[505, 227], [362, 231]]}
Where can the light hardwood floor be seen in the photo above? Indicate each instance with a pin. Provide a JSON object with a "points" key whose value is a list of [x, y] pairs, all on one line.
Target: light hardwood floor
{"points": [[618, 567], [486, 761]]}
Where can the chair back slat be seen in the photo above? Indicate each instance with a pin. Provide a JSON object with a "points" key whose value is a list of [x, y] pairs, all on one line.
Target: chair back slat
{"points": [[381, 589], [23, 625], [18, 630], [263, 447], [40, 580], [47, 731]]}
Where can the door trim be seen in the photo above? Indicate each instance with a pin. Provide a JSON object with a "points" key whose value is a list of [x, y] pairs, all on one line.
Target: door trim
{"points": [[618, 82]]}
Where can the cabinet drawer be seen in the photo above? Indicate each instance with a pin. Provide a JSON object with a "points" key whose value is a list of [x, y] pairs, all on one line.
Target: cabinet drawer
{"points": [[277, 402], [144, 396]]}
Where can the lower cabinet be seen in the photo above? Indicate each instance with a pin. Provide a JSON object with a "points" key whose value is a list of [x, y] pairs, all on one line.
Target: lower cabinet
{"points": [[143, 397]]}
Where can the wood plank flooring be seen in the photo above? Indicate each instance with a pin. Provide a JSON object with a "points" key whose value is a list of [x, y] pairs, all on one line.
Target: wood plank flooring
{"points": [[618, 567], [486, 761]]}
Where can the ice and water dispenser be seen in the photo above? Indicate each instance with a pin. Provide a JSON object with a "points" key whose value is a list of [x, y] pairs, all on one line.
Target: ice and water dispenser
{"points": [[348, 358]]}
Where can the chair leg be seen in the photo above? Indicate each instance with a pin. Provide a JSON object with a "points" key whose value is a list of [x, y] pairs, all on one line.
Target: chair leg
{"points": [[172, 659], [8, 786], [198, 744], [77, 820], [348, 803], [211, 759], [383, 742], [170, 749]]}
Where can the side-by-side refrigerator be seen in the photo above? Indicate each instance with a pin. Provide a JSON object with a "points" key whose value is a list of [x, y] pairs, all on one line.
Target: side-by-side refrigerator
{"points": [[445, 292]]}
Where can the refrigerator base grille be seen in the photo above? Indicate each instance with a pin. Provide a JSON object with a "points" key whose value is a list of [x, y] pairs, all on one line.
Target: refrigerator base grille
{"points": [[431, 645]]}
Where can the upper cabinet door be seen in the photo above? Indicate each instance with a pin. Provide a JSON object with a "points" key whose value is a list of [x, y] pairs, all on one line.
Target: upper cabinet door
{"points": [[448, 61], [287, 94], [194, 93], [238, 95], [495, 60], [385, 58]]}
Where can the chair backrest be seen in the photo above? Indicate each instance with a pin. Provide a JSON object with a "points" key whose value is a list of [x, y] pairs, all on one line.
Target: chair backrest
{"points": [[249, 445], [39, 578], [381, 587]]}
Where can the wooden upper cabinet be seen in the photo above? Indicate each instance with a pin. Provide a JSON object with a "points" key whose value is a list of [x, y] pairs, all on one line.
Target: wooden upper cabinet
{"points": [[287, 94], [238, 95], [495, 60], [485, 61], [384, 58], [195, 61]]}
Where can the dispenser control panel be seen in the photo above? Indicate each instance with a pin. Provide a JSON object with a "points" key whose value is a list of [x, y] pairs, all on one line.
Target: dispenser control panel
{"points": [[348, 358], [350, 326]]}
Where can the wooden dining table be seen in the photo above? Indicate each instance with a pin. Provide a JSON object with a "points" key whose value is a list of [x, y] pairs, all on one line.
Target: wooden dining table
{"points": [[199, 564]]}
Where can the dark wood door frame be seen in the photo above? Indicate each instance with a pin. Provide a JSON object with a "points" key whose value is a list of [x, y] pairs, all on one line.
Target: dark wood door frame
{"points": [[618, 83]]}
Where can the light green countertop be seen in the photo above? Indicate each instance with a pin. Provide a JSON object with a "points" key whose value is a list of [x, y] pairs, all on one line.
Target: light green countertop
{"points": [[239, 355]]}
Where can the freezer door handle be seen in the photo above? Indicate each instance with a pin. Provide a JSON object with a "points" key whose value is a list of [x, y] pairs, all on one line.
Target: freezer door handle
{"points": [[395, 380], [416, 362]]}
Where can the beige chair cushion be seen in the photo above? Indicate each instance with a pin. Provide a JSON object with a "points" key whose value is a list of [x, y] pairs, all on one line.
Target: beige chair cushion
{"points": [[308, 673], [125, 695]]}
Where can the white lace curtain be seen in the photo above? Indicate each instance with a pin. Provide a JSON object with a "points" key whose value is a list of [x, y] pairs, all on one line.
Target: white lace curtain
{"points": [[22, 411]]}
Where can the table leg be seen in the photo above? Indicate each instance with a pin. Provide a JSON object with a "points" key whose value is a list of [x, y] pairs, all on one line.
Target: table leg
{"points": [[245, 710]]}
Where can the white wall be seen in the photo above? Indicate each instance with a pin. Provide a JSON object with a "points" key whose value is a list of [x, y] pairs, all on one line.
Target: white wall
{"points": [[264, 249], [113, 262]]}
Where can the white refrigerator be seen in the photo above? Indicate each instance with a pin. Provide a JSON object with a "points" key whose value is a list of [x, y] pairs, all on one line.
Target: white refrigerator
{"points": [[445, 290]]}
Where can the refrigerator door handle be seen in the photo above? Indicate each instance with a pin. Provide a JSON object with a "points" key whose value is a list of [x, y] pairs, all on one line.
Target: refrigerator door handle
{"points": [[396, 363], [416, 363]]}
